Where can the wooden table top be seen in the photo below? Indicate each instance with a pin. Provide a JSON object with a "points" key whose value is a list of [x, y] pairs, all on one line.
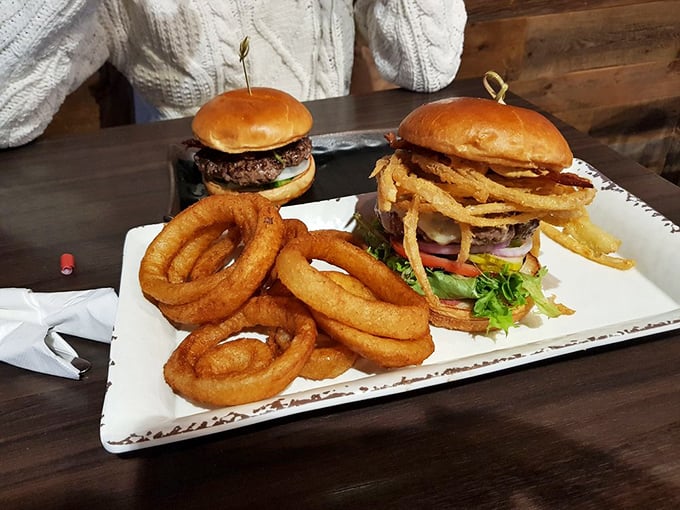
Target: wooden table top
{"points": [[600, 429]]}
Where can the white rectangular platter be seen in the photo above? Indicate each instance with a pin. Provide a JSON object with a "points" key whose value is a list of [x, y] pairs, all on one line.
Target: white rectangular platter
{"points": [[140, 410]]}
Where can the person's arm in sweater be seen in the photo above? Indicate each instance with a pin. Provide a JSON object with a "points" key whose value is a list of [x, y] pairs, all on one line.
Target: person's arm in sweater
{"points": [[415, 45], [47, 49]]}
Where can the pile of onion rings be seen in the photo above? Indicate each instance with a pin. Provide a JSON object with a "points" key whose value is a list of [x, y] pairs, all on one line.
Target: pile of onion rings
{"points": [[229, 265]]}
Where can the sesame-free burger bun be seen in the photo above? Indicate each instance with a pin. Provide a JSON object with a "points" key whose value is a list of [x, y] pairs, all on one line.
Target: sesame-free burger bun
{"points": [[487, 131], [241, 121]]}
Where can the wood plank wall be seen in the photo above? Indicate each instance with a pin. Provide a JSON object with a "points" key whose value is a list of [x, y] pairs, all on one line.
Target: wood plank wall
{"points": [[611, 68]]}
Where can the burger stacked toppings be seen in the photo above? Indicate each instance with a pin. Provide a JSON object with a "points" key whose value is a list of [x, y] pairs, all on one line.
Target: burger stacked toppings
{"points": [[460, 203], [255, 168], [254, 140]]}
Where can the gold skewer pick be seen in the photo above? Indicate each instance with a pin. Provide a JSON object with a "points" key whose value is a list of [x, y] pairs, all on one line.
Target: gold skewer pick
{"points": [[242, 54], [500, 95]]}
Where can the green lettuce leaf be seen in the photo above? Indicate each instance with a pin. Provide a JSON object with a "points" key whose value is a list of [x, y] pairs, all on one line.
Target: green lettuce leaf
{"points": [[534, 287], [498, 294]]}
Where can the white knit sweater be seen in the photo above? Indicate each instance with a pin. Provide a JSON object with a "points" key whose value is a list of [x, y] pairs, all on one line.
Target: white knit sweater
{"points": [[178, 54]]}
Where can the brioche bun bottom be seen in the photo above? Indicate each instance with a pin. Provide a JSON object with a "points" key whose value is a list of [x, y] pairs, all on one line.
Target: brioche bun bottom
{"points": [[460, 319], [450, 317]]}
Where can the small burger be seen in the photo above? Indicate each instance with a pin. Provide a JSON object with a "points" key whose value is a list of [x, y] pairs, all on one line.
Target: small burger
{"points": [[459, 206], [254, 141]]}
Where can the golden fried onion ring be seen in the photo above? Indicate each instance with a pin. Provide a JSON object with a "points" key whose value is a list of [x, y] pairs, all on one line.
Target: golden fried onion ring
{"points": [[211, 372], [219, 294], [328, 360], [399, 312], [387, 352], [216, 255], [189, 253]]}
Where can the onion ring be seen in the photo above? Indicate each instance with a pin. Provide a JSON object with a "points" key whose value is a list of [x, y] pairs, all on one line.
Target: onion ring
{"points": [[293, 228], [209, 372], [185, 259], [215, 257], [218, 295], [385, 352], [328, 360], [184, 227], [399, 313]]}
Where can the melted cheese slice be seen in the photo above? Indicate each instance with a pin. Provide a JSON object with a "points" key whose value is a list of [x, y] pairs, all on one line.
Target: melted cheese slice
{"points": [[439, 228]]}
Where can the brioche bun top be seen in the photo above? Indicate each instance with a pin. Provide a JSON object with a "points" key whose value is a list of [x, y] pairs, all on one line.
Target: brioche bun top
{"points": [[487, 131], [238, 121]]}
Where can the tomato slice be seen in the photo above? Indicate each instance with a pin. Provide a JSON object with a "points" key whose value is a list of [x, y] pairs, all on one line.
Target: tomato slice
{"points": [[432, 261]]}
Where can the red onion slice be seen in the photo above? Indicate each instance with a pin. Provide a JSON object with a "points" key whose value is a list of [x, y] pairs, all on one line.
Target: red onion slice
{"points": [[514, 251], [454, 248]]}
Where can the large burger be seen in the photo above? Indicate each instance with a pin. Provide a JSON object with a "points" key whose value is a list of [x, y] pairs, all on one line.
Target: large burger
{"points": [[255, 141], [459, 206]]}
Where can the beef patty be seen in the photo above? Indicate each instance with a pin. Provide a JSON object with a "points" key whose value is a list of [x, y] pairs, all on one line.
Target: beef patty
{"points": [[481, 236], [250, 168]]}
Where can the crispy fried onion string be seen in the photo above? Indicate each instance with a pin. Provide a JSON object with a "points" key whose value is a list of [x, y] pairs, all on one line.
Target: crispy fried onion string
{"points": [[211, 369], [217, 295], [413, 251], [466, 192], [589, 241], [564, 196]]}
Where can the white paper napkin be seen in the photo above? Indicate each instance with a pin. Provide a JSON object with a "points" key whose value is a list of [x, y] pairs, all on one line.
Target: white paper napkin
{"points": [[30, 323]]}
